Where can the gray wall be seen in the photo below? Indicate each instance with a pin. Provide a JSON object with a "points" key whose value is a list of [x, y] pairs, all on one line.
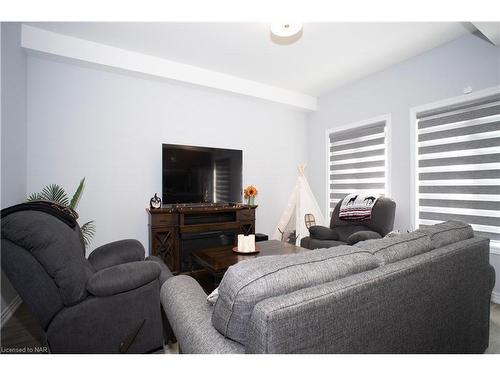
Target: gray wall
{"points": [[110, 127], [13, 129], [435, 75], [13, 116]]}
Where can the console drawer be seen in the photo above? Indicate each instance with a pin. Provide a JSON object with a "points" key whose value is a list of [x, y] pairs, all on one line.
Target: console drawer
{"points": [[246, 215], [158, 220]]}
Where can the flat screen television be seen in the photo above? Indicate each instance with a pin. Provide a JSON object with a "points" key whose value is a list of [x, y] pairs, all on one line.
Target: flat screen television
{"points": [[201, 174]]}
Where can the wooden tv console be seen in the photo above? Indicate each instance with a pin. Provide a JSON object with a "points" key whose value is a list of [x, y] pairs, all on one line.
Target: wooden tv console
{"points": [[177, 230]]}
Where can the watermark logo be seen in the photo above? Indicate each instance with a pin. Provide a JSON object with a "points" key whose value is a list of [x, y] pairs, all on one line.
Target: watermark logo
{"points": [[25, 350]]}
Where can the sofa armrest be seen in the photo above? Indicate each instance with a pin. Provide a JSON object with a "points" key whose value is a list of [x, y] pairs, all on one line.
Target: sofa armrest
{"points": [[319, 232], [122, 278], [115, 253], [190, 316], [362, 235]]}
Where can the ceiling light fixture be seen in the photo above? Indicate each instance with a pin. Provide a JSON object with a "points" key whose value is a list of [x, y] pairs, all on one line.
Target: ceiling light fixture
{"points": [[286, 32]]}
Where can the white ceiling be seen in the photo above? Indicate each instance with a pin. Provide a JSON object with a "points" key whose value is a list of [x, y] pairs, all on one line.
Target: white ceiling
{"points": [[327, 56]]}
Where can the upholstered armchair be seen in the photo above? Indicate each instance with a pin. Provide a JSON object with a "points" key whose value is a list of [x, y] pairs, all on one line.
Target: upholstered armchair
{"points": [[342, 232], [108, 303]]}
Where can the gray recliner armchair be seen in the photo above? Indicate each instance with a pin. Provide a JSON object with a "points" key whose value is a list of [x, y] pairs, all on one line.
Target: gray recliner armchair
{"points": [[108, 303], [346, 232]]}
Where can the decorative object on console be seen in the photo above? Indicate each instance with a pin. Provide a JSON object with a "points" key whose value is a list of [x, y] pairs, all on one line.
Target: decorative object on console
{"points": [[155, 202], [55, 193], [250, 194]]}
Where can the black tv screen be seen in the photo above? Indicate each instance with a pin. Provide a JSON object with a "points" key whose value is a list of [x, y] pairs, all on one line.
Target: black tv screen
{"points": [[201, 174]]}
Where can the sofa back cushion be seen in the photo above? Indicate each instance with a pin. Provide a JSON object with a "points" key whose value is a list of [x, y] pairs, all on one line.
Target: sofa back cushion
{"points": [[392, 249], [249, 282], [446, 233], [56, 246]]}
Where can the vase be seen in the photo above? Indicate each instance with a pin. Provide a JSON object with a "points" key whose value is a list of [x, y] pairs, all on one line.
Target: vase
{"points": [[251, 201]]}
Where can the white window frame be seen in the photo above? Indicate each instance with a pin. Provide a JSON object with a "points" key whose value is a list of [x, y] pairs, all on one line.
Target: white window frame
{"points": [[414, 111], [388, 151]]}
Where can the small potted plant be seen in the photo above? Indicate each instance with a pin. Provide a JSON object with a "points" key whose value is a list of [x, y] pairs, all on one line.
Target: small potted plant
{"points": [[55, 193], [250, 194]]}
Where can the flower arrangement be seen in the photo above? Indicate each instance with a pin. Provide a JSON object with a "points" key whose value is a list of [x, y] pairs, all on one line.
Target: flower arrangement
{"points": [[250, 194]]}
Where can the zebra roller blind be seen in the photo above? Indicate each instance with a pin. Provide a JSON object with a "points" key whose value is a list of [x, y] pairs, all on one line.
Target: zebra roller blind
{"points": [[358, 161], [459, 166]]}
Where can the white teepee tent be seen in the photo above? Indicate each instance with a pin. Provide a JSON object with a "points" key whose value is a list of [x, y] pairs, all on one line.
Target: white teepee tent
{"points": [[291, 226]]}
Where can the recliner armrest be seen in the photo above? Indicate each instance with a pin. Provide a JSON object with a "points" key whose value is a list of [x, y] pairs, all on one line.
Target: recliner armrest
{"points": [[118, 252], [122, 278], [362, 236], [320, 232]]}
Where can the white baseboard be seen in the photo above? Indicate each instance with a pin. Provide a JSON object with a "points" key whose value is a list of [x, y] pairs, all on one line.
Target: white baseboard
{"points": [[495, 297], [11, 309]]}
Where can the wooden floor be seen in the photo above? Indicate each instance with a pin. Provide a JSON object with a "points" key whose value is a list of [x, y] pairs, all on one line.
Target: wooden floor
{"points": [[494, 347], [22, 332]]}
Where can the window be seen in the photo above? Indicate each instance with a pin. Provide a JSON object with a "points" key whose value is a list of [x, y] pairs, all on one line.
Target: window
{"points": [[358, 160], [458, 170]]}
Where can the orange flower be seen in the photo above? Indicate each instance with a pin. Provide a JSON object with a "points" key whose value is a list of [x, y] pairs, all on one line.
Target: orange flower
{"points": [[250, 191]]}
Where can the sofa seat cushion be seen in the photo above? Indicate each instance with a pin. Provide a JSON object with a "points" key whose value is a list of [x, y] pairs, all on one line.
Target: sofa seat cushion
{"points": [[249, 282], [313, 243], [392, 249], [446, 233]]}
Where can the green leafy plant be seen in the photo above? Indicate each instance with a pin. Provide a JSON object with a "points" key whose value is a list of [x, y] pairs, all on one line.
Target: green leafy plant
{"points": [[55, 193]]}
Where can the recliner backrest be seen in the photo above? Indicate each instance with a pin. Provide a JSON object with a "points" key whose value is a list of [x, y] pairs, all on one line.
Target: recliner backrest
{"points": [[381, 221], [35, 287], [55, 246]]}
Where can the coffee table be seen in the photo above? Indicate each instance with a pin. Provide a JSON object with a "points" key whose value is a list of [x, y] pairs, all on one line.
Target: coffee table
{"points": [[217, 260]]}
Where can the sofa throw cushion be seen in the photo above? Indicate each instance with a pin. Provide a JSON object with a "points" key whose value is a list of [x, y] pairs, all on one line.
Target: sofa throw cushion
{"points": [[392, 249], [213, 297], [249, 282], [446, 233], [319, 232], [56, 246]]}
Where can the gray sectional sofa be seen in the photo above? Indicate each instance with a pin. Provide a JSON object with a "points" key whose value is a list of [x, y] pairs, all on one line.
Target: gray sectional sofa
{"points": [[423, 292]]}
